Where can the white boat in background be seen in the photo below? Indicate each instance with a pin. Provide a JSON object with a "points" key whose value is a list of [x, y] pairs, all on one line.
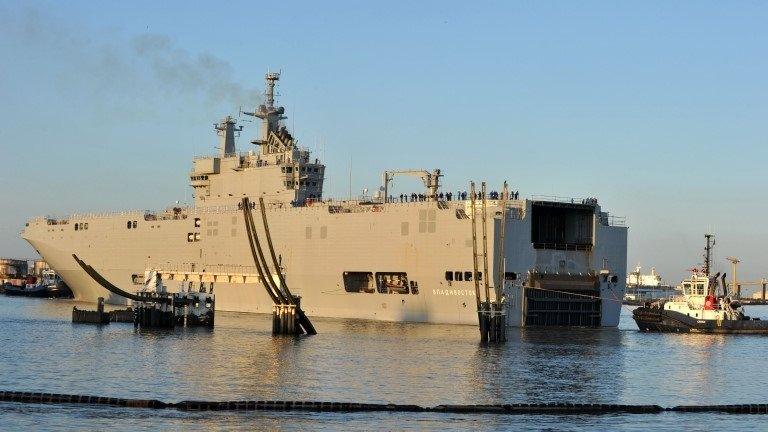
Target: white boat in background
{"points": [[646, 287]]}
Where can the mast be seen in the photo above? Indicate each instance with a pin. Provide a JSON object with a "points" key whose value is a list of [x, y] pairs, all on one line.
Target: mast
{"points": [[269, 114], [708, 253]]}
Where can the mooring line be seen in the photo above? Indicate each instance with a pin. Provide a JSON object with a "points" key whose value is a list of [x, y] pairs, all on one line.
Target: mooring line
{"points": [[585, 295], [573, 294], [321, 406]]}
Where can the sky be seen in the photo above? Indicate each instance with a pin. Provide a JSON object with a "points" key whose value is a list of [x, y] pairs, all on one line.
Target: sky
{"points": [[658, 109]]}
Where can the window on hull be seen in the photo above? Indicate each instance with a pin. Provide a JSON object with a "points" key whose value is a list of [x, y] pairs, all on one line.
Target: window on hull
{"points": [[358, 282], [392, 282], [460, 276], [414, 287]]}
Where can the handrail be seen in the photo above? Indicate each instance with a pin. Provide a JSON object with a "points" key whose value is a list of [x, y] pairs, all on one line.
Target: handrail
{"points": [[565, 200]]}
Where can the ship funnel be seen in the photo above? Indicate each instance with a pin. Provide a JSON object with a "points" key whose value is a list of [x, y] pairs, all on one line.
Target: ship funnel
{"points": [[226, 132]]}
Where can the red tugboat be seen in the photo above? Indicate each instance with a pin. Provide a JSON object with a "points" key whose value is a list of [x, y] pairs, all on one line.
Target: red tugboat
{"points": [[703, 308]]}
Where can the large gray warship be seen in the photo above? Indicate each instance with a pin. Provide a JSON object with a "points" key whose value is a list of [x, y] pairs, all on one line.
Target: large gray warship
{"points": [[562, 261]]}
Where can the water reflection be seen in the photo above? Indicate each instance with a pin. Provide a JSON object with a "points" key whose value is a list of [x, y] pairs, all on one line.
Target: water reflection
{"points": [[372, 362]]}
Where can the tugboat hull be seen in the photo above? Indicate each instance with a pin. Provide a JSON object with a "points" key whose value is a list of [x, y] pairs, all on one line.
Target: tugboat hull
{"points": [[37, 291], [651, 319]]}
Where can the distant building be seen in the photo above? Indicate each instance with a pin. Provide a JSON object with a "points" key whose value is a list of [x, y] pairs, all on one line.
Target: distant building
{"points": [[38, 267], [13, 268]]}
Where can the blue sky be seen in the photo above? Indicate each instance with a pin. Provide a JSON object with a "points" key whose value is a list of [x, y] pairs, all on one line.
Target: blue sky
{"points": [[657, 108]]}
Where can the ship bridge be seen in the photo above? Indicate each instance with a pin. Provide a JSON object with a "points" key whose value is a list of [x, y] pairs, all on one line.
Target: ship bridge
{"points": [[280, 170]]}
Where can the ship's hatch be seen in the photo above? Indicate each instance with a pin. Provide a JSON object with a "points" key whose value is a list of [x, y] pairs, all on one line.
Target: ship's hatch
{"points": [[561, 226], [562, 300]]}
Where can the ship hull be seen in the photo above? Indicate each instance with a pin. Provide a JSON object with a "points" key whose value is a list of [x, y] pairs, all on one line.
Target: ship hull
{"points": [[665, 321], [316, 248]]}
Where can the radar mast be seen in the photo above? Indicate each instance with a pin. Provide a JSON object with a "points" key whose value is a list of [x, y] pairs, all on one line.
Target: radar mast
{"points": [[708, 253], [269, 114]]}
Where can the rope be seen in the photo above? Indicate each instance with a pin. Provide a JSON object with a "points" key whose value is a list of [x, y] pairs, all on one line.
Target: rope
{"points": [[574, 294]]}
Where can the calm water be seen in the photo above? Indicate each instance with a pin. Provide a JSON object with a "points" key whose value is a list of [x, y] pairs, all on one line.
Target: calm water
{"points": [[369, 362]]}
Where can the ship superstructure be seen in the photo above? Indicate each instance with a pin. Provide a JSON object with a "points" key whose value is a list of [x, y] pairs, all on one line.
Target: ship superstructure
{"points": [[379, 258]]}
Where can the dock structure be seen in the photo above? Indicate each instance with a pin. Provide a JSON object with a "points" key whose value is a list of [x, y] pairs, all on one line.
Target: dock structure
{"points": [[491, 314], [154, 306], [91, 317], [211, 275]]}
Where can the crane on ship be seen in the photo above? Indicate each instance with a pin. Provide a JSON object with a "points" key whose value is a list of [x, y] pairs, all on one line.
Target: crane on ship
{"points": [[431, 180]]}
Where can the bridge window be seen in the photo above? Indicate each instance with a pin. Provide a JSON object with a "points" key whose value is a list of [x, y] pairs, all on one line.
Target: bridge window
{"points": [[85, 225], [76, 227], [458, 276], [128, 225], [449, 276], [357, 282], [468, 276]]}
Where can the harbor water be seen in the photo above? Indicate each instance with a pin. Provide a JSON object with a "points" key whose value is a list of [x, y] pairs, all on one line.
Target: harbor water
{"points": [[372, 362]]}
